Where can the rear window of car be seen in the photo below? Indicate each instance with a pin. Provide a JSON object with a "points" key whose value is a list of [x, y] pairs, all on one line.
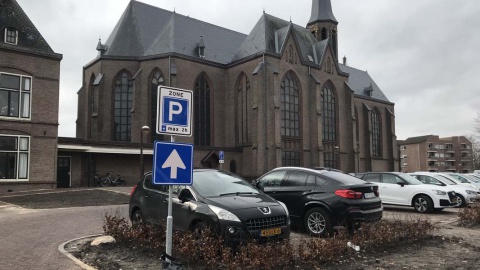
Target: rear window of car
{"points": [[341, 177]]}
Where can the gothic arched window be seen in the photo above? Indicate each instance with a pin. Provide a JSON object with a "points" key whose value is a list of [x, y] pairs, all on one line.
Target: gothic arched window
{"points": [[290, 121], [324, 33], [123, 102], [242, 112], [157, 80], [376, 140], [202, 111], [329, 114]]}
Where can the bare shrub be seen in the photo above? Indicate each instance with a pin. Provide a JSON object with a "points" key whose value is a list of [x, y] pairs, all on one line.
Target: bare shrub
{"points": [[209, 251], [470, 216]]}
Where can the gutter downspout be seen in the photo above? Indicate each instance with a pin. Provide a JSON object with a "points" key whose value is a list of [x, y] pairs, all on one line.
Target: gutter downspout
{"points": [[310, 91], [265, 116]]}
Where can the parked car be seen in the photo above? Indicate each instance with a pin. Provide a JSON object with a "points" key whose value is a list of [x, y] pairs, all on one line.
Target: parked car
{"points": [[459, 181], [402, 189], [465, 195], [320, 199], [221, 200], [465, 179]]}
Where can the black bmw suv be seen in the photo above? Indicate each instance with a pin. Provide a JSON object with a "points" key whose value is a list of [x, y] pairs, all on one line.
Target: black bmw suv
{"points": [[320, 199], [218, 199]]}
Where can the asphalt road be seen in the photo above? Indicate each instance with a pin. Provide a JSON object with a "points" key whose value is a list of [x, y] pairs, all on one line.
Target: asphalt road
{"points": [[30, 237]]}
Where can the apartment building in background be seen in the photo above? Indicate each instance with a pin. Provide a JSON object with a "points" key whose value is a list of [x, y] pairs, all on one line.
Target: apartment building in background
{"points": [[434, 154]]}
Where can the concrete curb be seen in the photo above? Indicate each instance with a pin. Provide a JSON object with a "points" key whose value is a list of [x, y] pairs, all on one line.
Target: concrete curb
{"points": [[61, 248]]}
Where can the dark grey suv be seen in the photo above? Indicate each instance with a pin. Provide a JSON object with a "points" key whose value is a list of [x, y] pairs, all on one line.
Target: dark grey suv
{"points": [[319, 199], [218, 199]]}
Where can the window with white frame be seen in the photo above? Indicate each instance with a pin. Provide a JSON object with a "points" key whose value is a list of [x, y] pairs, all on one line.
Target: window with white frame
{"points": [[404, 165], [14, 157], [15, 95], [403, 147], [11, 36]]}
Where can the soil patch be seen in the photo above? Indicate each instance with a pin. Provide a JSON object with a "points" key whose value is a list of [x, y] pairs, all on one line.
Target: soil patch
{"points": [[435, 252], [80, 198]]}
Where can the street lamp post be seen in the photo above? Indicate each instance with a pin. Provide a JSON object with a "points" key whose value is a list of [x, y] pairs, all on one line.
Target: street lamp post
{"points": [[145, 130], [336, 152]]}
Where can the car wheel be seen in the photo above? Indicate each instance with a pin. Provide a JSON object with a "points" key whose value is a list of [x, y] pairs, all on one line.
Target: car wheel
{"points": [[423, 204], [198, 229], [317, 222], [460, 201], [137, 218]]}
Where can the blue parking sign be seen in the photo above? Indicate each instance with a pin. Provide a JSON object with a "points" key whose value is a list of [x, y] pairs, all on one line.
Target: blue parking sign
{"points": [[174, 109]]}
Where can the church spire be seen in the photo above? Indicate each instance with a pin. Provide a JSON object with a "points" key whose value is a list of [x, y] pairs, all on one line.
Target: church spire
{"points": [[323, 25], [322, 12]]}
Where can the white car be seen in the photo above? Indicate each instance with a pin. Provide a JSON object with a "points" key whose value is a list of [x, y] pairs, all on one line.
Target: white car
{"points": [[458, 181], [402, 189], [465, 195]]}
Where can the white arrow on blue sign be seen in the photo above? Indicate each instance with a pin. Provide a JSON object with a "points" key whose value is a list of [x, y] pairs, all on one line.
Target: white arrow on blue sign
{"points": [[172, 163]]}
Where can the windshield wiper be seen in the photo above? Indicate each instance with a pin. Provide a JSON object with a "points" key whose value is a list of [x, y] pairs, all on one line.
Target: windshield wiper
{"points": [[237, 193]]}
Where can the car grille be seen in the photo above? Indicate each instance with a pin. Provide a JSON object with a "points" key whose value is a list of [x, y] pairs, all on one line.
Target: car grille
{"points": [[265, 223], [451, 195]]}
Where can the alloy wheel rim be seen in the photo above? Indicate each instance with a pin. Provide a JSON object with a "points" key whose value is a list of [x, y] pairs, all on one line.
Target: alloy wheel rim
{"points": [[138, 218], [459, 201], [421, 205], [316, 223]]}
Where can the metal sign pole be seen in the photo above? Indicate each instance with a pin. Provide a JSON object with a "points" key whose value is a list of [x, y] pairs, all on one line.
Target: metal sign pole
{"points": [[170, 217]]}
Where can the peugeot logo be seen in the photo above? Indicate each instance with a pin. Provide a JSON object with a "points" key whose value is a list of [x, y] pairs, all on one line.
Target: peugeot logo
{"points": [[265, 210]]}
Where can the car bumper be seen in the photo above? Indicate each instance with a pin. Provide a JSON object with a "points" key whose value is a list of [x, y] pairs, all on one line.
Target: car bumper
{"points": [[359, 215], [234, 232]]}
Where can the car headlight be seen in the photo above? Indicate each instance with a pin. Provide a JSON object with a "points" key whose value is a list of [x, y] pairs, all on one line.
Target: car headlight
{"points": [[284, 207], [224, 214], [471, 192], [439, 192]]}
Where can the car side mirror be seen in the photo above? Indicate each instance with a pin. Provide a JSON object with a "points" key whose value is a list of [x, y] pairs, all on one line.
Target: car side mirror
{"points": [[401, 183], [260, 186], [184, 195]]}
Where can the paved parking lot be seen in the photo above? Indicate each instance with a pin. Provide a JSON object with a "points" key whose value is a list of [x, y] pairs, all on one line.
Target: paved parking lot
{"points": [[31, 236]]}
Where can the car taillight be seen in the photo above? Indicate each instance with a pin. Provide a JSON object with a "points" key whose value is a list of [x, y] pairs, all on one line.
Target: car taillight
{"points": [[377, 194], [133, 190], [349, 194]]}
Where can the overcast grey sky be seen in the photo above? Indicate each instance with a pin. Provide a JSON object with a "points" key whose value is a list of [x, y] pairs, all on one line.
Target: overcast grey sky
{"points": [[423, 54]]}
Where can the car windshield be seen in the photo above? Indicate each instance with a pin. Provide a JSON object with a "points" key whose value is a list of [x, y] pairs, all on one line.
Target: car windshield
{"points": [[220, 183], [459, 178], [471, 178], [410, 179], [445, 180]]}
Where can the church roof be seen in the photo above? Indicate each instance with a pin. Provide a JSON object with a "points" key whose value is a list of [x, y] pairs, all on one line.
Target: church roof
{"points": [[29, 38], [270, 34], [361, 83], [158, 31], [322, 11]]}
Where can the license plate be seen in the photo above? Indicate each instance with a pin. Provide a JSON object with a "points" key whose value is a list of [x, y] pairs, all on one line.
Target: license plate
{"points": [[270, 232], [369, 195]]}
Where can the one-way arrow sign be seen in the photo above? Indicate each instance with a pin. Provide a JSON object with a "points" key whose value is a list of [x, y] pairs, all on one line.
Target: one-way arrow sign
{"points": [[172, 163]]}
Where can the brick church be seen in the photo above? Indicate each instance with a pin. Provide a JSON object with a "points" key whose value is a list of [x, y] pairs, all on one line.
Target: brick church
{"points": [[277, 96]]}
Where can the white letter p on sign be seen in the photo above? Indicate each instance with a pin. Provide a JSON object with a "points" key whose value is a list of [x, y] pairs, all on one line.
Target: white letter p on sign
{"points": [[172, 111]]}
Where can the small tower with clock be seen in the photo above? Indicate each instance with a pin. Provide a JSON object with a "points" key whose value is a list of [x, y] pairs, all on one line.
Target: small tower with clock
{"points": [[323, 24]]}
